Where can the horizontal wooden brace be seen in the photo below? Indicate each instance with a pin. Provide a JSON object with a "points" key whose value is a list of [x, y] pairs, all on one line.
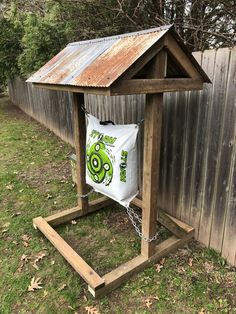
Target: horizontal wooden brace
{"points": [[137, 202], [75, 89], [177, 227], [79, 265], [116, 277], [150, 86], [76, 212]]}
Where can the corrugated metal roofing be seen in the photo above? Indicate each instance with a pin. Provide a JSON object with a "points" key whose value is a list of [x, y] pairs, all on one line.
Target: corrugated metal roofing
{"points": [[98, 62]]}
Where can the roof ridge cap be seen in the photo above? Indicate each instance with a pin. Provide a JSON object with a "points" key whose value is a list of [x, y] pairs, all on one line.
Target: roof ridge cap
{"points": [[142, 32]]}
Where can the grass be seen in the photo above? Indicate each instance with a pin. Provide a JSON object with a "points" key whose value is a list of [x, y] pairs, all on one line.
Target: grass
{"points": [[35, 180]]}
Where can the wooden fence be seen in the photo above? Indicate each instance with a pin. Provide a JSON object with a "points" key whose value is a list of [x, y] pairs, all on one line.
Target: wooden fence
{"points": [[198, 154]]}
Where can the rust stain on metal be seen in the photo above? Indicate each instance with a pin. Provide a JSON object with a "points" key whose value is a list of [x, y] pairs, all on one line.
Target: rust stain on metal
{"points": [[97, 63], [117, 59]]}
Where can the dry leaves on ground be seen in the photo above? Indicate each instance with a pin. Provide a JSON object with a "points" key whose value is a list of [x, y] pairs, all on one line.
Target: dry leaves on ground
{"points": [[24, 259], [202, 311], [158, 267], [190, 262], [25, 239], [39, 257], [149, 301], [10, 187], [92, 310], [73, 222], [62, 287], [180, 270], [15, 214], [35, 284], [209, 267]]}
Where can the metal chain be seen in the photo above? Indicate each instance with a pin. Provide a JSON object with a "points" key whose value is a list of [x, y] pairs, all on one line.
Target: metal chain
{"points": [[86, 195], [86, 112], [132, 216]]}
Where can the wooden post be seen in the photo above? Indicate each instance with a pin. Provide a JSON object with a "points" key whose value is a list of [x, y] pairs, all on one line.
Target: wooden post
{"points": [[79, 129], [152, 140], [151, 155]]}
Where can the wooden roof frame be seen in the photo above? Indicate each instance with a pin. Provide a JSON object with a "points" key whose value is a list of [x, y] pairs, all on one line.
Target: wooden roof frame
{"points": [[126, 84], [154, 84]]}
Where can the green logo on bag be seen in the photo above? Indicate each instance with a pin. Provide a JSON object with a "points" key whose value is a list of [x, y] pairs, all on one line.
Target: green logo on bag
{"points": [[123, 165], [98, 163]]}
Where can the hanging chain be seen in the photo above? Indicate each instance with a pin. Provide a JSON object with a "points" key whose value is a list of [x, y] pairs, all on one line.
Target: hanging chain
{"points": [[87, 194], [86, 112], [132, 216]]}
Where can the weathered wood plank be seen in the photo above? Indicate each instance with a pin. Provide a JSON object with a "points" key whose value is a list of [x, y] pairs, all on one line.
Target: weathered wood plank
{"points": [[207, 63], [74, 89], [225, 155], [79, 132], [178, 54], [115, 278], [79, 265], [214, 140], [76, 212], [177, 227], [145, 86], [151, 160]]}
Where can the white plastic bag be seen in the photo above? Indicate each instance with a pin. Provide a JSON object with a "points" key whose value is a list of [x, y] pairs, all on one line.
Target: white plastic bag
{"points": [[111, 159]]}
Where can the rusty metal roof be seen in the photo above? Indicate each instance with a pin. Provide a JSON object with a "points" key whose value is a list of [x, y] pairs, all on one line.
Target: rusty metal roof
{"points": [[100, 62], [97, 62]]}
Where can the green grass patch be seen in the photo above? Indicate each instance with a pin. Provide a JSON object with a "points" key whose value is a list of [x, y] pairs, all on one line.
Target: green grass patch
{"points": [[35, 179]]}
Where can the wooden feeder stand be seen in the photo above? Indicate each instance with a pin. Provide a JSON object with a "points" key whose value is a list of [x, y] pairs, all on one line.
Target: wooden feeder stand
{"points": [[164, 66]]}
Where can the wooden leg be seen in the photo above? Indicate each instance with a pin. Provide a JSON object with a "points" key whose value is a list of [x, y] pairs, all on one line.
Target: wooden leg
{"points": [[117, 276], [79, 131], [79, 265], [76, 212], [152, 139]]}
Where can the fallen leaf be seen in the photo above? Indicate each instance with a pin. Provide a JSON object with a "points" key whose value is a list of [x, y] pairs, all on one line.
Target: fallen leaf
{"points": [[16, 214], [39, 257], [10, 187], [71, 308], [49, 196], [162, 261], [45, 293], [180, 270], [35, 284], [148, 302], [73, 222], [4, 230], [52, 262], [6, 225], [62, 287], [202, 311], [25, 237], [190, 262], [92, 310], [24, 259], [26, 244], [158, 267], [209, 267]]}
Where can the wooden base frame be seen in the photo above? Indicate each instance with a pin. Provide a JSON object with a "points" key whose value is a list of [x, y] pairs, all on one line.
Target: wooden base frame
{"points": [[97, 285]]}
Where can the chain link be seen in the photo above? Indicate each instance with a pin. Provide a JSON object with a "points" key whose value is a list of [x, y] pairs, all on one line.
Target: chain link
{"points": [[132, 216], [86, 195]]}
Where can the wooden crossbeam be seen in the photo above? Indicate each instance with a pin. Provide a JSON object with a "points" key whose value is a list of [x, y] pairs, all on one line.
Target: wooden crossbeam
{"points": [[76, 212], [176, 226], [79, 265], [149, 86], [116, 277]]}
